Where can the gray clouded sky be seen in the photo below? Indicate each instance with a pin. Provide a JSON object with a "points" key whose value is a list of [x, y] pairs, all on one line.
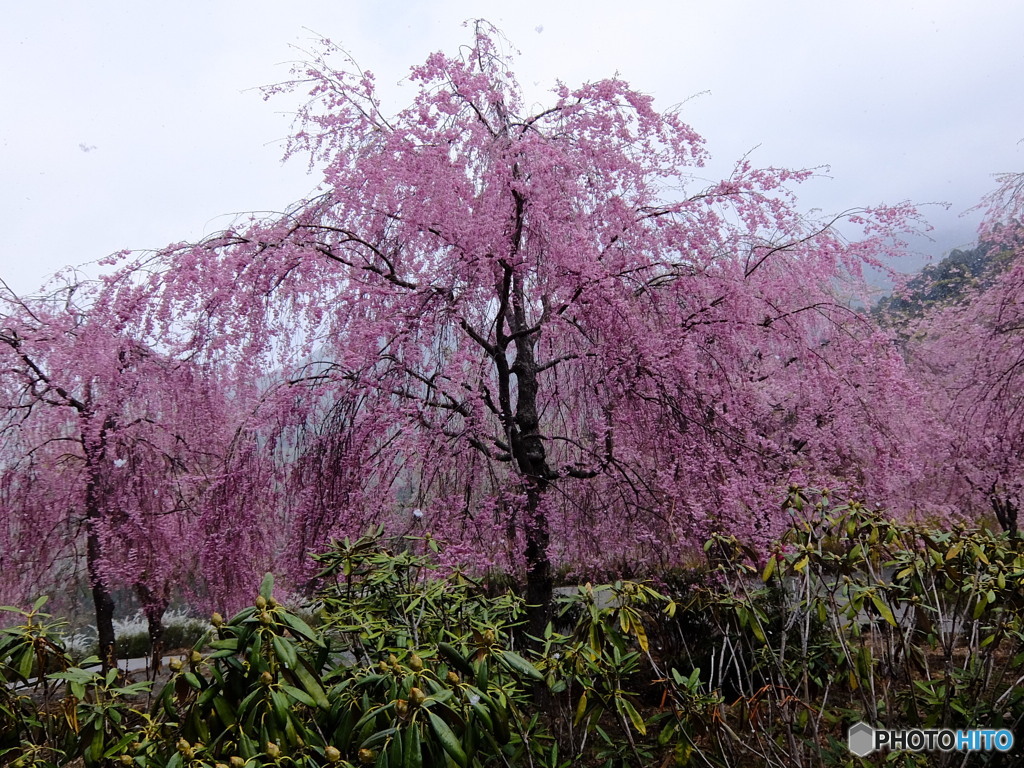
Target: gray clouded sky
{"points": [[131, 125]]}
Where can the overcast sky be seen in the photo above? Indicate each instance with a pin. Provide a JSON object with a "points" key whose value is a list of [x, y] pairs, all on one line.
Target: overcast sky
{"points": [[131, 125]]}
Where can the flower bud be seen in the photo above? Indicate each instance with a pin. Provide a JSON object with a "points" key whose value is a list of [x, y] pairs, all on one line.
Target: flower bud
{"points": [[175, 665], [261, 602], [184, 747], [264, 618], [195, 657], [382, 667], [332, 754], [366, 756], [401, 707], [453, 678], [416, 696], [217, 620], [273, 750], [237, 762], [126, 759], [266, 678], [415, 663]]}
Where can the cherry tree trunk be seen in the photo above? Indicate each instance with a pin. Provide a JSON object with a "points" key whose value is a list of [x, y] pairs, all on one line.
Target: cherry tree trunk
{"points": [[103, 603], [154, 607], [539, 582], [1006, 512]]}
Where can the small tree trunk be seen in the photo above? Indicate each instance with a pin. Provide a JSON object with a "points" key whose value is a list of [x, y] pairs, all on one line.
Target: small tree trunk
{"points": [[1006, 512], [102, 600], [103, 603], [154, 607]]}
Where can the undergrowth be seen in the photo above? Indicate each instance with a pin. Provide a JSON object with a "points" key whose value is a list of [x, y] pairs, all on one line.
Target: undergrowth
{"points": [[755, 660]]}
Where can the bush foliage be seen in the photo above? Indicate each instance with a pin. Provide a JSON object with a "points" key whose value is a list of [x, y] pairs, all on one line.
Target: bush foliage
{"points": [[738, 663]]}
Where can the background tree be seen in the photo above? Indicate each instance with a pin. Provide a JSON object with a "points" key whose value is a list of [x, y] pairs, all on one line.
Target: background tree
{"points": [[537, 329], [971, 354], [110, 450]]}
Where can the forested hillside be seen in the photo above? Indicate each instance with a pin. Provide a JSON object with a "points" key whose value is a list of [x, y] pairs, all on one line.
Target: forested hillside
{"points": [[957, 277]]}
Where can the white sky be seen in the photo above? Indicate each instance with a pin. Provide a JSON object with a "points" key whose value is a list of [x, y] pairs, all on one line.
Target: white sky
{"points": [[131, 125]]}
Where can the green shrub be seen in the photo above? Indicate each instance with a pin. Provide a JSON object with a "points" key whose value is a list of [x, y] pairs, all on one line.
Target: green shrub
{"points": [[745, 663]]}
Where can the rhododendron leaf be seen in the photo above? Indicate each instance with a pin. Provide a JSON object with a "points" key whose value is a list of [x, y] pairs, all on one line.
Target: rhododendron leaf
{"points": [[267, 586], [883, 609]]}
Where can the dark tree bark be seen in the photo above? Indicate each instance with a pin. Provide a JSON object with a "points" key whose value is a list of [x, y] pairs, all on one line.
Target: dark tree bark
{"points": [[103, 603], [103, 600], [154, 607], [1006, 512]]}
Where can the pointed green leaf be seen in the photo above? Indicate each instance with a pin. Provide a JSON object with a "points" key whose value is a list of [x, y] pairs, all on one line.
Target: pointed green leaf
{"points": [[634, 717], [311, 686], [755, 627], [581, 709], [455, 658], [449, 741], [224, 711], [299, 627], [883, 609], [395, 750], [413, 751], [979, 608], [25, 665], [284, 651], [267, 586], [299, 695], [517, 663]]}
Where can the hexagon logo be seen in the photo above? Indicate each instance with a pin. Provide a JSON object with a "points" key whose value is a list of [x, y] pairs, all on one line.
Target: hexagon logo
{"points": [[861, 739]]}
